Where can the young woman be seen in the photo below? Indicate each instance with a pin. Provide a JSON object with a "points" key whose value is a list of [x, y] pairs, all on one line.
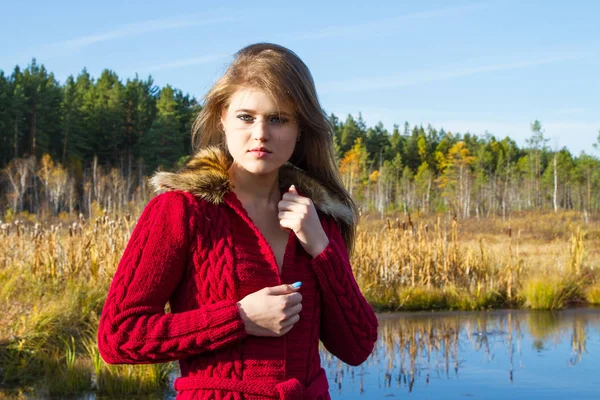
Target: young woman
{"points": [[249, 245]]}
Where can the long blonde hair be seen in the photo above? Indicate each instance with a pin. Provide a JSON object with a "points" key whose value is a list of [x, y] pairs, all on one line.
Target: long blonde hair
{"points": [[281, 74]]}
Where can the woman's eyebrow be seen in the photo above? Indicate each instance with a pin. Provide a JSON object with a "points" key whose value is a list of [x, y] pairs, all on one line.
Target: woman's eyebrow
{"points": [[283, 113]]}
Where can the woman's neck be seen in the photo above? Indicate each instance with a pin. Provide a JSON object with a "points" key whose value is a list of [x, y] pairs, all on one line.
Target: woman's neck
{"points": [[256, 191]]}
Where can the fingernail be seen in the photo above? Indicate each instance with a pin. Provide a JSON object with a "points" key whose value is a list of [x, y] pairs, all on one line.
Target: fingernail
{"points": [[296, 285]]}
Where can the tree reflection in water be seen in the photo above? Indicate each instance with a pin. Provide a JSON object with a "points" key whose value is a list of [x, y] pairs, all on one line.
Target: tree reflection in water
{"points": [[419, 347]]}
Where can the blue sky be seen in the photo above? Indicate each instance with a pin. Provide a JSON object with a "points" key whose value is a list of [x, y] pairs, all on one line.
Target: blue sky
{"points": [[471, 66]]}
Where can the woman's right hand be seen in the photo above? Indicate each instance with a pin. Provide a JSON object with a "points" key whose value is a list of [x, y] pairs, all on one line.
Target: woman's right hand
{"points": [[271, 311]]}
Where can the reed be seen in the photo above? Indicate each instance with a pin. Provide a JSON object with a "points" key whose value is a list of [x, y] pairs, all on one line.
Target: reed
{"points": [[551, 293], [125, 380], [593, 295], [436, 264], [55, 273]]}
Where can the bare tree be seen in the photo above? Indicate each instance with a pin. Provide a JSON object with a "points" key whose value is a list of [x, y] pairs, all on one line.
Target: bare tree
{"points": [[555, 183], [19, 172]]}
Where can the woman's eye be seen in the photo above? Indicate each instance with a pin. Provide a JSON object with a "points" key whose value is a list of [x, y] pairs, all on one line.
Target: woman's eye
{"points": [[278, 120], [245, 117]]}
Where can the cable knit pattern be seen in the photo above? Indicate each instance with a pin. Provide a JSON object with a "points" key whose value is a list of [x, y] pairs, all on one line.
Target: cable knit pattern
{"points": [[203, 254], [134, 327], [348, 324]]}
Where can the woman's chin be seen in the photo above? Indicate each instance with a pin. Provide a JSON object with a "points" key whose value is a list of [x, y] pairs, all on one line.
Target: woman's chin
{"points": [[260, 167]]}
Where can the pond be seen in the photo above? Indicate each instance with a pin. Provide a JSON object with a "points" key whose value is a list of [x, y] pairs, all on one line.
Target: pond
{"points": [[486, 355]]}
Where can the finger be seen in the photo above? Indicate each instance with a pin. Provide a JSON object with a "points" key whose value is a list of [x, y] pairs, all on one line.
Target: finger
{"points": [[291, 224], [281, 289], [291, 215], [286, 330], [296, 198], [287, 205], [292, 189], [292, 299], [293, 310], [290, 321]]}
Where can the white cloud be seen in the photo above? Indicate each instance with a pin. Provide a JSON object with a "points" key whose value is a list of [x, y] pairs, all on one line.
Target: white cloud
{"points": [[439, 74], [186, 62], [138, 28], [386, 23]]}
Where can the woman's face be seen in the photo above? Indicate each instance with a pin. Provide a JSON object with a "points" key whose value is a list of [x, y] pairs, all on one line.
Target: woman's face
{"points": [[260, 134]]}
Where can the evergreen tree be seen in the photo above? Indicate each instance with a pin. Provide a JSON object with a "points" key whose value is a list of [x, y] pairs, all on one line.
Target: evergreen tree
{"points": [[139, 112], [87, 123], [105, 102], [5, 117], [163, 144], [17, 114], [377, 140], [394, 145], [72, 133], [411, 155], [187, 109], [351, 130], [42, 100], [84, 88]]}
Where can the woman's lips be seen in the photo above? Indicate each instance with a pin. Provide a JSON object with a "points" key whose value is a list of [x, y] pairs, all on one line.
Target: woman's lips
{"points": [[260, 153]]}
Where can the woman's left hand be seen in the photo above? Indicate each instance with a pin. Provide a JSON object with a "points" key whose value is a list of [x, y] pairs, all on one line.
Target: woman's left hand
{"points": [[298, 213]]}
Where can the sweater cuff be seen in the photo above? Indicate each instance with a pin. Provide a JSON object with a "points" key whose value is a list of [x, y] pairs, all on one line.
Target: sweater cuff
{"points": [[223, 324], [326, 260]]}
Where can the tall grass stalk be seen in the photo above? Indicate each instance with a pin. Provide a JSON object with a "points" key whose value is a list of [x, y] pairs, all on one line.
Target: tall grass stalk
{"points": [[55, 273], [593, 295]]}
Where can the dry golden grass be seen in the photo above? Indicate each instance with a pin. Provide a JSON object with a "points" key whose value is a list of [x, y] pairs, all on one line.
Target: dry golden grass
{"points": [[593, 294], [55, 273], [489, 261], [54, 278]]}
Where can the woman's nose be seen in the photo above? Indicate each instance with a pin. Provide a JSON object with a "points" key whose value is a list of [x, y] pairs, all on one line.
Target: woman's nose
{"points": [[260, 131]]}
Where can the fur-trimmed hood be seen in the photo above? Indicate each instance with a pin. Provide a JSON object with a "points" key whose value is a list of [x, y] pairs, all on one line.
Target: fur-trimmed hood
{"points": [[205, 175]]}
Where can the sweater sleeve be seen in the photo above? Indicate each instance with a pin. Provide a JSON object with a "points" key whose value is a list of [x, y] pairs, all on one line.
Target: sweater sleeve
{"points": [[134, 328], [348, 323]]}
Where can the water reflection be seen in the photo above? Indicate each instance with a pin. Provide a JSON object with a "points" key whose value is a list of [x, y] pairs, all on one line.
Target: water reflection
{"points": [[467, 354], [487, 355]]}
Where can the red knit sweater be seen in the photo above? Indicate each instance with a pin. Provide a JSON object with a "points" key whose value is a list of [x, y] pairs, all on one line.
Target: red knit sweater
{"points": [[202, 258]]}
